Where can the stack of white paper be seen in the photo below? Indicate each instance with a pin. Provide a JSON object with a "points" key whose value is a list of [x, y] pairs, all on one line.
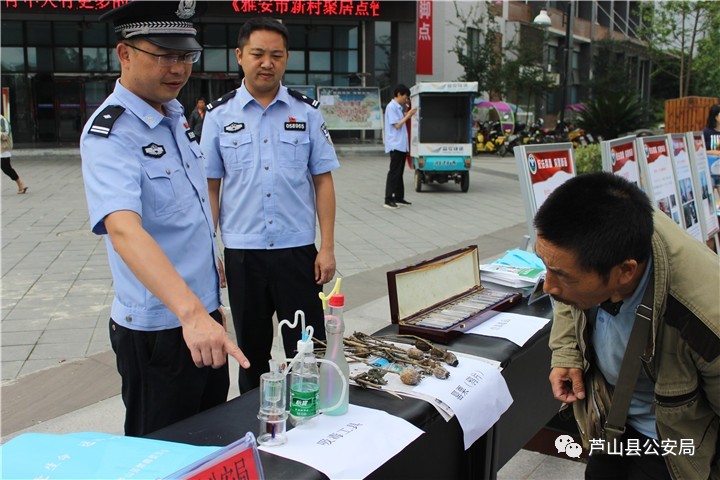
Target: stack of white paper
{"points": [[515, 277]]}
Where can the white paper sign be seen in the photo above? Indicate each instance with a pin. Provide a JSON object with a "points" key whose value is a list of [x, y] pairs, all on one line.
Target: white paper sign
{"points": [[331, 444], [511, 326], [477, 393]]}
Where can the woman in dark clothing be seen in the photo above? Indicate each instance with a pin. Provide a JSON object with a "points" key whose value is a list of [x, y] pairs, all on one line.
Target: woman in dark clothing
{"points": [[712, 146]]}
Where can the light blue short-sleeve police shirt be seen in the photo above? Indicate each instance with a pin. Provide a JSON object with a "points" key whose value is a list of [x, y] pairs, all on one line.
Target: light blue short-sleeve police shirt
{"points": [[151, 164], [266, 158]]}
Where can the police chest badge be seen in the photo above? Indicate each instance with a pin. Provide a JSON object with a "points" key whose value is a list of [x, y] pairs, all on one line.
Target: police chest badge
{"points": [[154, 150], [234, 127], [191, 135], [298, 126]]}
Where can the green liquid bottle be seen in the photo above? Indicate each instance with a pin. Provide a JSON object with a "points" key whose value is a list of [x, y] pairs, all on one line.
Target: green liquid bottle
{"points": [[304, 386]]}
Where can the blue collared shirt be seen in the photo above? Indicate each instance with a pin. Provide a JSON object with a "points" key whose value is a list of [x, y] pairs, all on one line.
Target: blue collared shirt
{"points": [[266, 158], [395, 138], [149, 165], [609, 338]]}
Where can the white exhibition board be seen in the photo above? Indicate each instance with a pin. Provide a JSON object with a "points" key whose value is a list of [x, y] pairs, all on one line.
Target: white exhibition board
{"points": [[541, 169], [685, 186], [703, 184], [659, 177], [619, 157]]}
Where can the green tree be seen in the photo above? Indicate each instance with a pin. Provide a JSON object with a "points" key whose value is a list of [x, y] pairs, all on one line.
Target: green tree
{"points": [[522, 71], [478, 46], [612, 73], [707, 65], [610, 116], [672, 31], [588, 158]]}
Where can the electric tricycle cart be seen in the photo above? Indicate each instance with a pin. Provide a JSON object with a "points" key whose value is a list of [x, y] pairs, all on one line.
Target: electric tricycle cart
{"points": [[441, 132]]}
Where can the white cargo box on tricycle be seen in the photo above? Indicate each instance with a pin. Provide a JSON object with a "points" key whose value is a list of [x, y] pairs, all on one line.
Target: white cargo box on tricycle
{"points": [[441, 132]]}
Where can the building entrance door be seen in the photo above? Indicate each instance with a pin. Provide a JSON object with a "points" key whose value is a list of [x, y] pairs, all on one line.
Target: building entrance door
{"points": [[69, 108], [43, 88]]}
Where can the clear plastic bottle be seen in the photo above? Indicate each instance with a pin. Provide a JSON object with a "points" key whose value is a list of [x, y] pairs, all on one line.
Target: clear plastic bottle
{"points": [[304, 385], [331, 385]]}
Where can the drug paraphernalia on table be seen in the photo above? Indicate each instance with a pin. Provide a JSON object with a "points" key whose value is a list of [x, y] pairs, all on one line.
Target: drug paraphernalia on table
{"points": [[443, 297]]}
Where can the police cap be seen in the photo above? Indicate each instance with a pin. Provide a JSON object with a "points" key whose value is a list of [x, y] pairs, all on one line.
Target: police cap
{"points": [[165, 24]]}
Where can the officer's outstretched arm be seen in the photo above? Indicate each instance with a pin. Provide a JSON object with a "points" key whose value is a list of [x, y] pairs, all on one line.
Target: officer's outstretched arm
{"points": [[207, 340]]}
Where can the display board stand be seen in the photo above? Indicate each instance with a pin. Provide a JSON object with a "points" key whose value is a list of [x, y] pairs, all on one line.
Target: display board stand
{"points": [[541, 169]]}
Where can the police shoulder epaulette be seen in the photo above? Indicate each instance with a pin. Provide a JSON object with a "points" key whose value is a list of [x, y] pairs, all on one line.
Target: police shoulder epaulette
{"points": [[221, 100], [104, 121], [304, 98]]}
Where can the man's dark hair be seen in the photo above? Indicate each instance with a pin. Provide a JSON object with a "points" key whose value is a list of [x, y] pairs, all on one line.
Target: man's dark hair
{"points": [[712, 116], [401, 89], [600, 217], [201, 98], [261, 23]]}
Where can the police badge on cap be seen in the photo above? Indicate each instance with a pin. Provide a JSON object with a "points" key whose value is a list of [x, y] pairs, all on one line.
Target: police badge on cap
{"points": [[165, 24]]}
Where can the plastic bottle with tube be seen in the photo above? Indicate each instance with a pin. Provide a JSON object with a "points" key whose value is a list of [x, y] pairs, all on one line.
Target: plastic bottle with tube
{"points": [[332, 380], [304, 384]]}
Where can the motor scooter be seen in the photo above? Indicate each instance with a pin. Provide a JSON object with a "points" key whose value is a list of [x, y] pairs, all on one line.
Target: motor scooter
{"points": [[490, 138]]}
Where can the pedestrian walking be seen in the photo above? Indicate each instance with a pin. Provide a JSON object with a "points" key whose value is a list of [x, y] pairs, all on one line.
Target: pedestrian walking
{"points": [[6, 146], [197, 117]]}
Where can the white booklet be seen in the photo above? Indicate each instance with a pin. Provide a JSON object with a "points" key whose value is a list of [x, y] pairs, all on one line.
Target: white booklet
{"points": [[516, 277]]}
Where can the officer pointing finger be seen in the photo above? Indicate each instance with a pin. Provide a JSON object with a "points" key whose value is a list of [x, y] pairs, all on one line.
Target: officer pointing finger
{"points": [[147, 194]]}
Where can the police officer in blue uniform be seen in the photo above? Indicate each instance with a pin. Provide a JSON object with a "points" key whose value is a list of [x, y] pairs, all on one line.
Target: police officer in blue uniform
{"points": [[271, 150], [147, 193]]}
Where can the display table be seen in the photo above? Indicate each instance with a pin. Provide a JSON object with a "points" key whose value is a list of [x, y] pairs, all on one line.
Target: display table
{"points": [[439, 453]]}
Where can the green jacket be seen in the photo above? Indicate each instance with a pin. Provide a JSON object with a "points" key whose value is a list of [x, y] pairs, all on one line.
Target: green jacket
{"points": [[683, 355]]}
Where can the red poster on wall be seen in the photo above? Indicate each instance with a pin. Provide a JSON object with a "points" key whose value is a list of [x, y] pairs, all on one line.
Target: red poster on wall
{"points": [[424, 62]]}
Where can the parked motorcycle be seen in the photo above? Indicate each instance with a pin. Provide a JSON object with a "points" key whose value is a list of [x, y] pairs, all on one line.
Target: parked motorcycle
{"points": [[491, 139], [518, 137], [537, 134]]}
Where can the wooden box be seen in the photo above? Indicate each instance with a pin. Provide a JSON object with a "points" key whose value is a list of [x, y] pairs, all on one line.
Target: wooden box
{"points": [[441, 298]]}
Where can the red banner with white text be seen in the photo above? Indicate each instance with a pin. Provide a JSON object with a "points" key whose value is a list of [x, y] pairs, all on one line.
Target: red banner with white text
{"points": [[424, 61]]}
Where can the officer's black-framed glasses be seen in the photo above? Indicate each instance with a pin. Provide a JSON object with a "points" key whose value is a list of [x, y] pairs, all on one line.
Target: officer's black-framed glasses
{"points": [[166, 60]]}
